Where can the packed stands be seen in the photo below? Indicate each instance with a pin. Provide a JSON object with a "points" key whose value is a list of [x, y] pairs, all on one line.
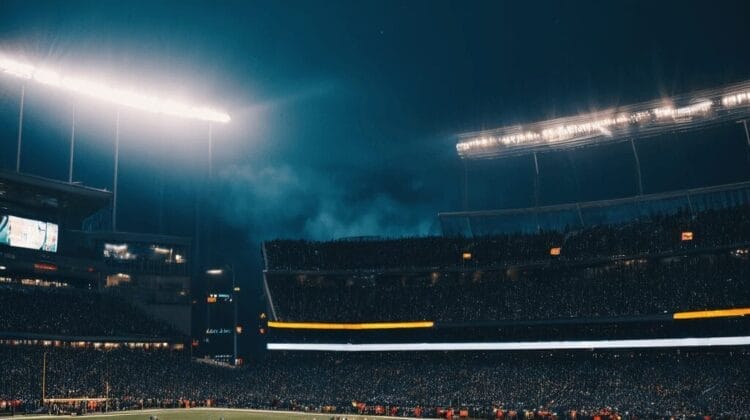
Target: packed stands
{"points": [[513, 287], [620, 288], [604, 282], [665, 264], [68, 311], [657, 234], [632, 383]]}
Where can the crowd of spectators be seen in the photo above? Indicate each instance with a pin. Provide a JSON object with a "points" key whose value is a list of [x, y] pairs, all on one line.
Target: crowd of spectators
{"points": [[71, 311], [642, 383], [659, 233], [620, 288], [408, 253], [500, 278]]}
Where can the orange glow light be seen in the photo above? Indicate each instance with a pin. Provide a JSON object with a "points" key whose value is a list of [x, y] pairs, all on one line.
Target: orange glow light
{"points": [[714, 313], [350, 326]]}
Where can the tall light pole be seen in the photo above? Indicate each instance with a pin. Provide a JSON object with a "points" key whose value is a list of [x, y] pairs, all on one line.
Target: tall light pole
{"points": [[117, 164], [104, 92], [20, 128], [72, 147], [203, 188], [210, 150]]}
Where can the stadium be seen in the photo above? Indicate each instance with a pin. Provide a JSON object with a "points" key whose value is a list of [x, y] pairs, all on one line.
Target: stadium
{"points": [[623, 302]]}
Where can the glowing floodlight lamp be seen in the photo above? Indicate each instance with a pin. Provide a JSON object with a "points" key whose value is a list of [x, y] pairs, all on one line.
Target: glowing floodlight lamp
{"points": [[683, 112], [105, 92], [15, 68]]}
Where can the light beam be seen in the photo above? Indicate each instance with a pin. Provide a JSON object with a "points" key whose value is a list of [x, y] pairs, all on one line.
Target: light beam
{"points": [[107, 92]]}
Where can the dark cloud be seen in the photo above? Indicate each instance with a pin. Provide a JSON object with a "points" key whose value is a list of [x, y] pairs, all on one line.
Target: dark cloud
{"points": [[281, 201]]}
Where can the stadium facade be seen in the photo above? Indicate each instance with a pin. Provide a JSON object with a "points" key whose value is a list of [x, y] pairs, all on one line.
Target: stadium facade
{"points": [[659, 273], [636, 305], [51, 236]]}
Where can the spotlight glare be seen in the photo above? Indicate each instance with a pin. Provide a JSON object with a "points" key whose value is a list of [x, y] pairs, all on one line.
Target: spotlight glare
{"points": [[15, 68], [104, 92], [645, 119]]}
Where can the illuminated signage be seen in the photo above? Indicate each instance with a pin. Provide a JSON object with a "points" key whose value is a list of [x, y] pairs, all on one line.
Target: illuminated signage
{"points": [[28, 233], [45, 267], [215, 297]]}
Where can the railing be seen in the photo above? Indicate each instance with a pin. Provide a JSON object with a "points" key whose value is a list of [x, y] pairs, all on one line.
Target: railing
{"points": [[578, 215]]}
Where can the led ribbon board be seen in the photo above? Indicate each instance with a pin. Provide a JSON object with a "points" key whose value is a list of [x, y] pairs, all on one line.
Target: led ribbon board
{"points": [[350, 326], [713, 313], [28, 233], [679, 113], [521, 345]]}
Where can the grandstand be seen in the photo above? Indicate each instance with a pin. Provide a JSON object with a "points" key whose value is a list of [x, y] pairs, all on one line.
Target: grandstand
{"points": [[645, 317], [58, 288], [545, 295], [632, 306], [55, 235]]}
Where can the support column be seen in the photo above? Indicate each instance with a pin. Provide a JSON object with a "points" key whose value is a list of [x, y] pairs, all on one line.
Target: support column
{"points": [[210, 150], [580, 215], [536, 192], [20, 128], [536, 181], [637, 167], [747, 141], [466, 186], [117, 164], [161, 204], [72, 147]]}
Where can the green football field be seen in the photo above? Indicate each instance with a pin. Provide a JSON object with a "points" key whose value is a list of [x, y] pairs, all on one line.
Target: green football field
{"points": [[211, 414]]}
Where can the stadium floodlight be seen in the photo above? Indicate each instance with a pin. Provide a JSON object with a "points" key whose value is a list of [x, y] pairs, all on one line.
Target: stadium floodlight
{"points": [[679, 113], [521, 345], [736, 99], [16, 68], [107, 92]]}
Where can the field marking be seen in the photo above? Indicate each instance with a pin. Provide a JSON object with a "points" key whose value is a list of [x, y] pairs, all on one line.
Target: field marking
{"points": [[219, 409]]}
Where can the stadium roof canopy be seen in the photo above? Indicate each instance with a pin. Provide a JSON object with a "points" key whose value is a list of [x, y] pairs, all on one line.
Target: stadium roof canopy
{"points": [[40, 193], [680, 113]]}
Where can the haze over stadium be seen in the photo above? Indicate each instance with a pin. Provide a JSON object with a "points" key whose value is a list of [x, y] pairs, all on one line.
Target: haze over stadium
{"points": [[417, 209]]}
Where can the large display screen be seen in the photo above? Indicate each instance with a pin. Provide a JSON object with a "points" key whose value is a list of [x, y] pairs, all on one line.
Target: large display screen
{"points": [[28, 233]]}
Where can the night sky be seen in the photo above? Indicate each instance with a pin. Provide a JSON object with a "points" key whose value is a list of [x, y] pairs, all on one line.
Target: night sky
{"points": [[345, 113]]}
